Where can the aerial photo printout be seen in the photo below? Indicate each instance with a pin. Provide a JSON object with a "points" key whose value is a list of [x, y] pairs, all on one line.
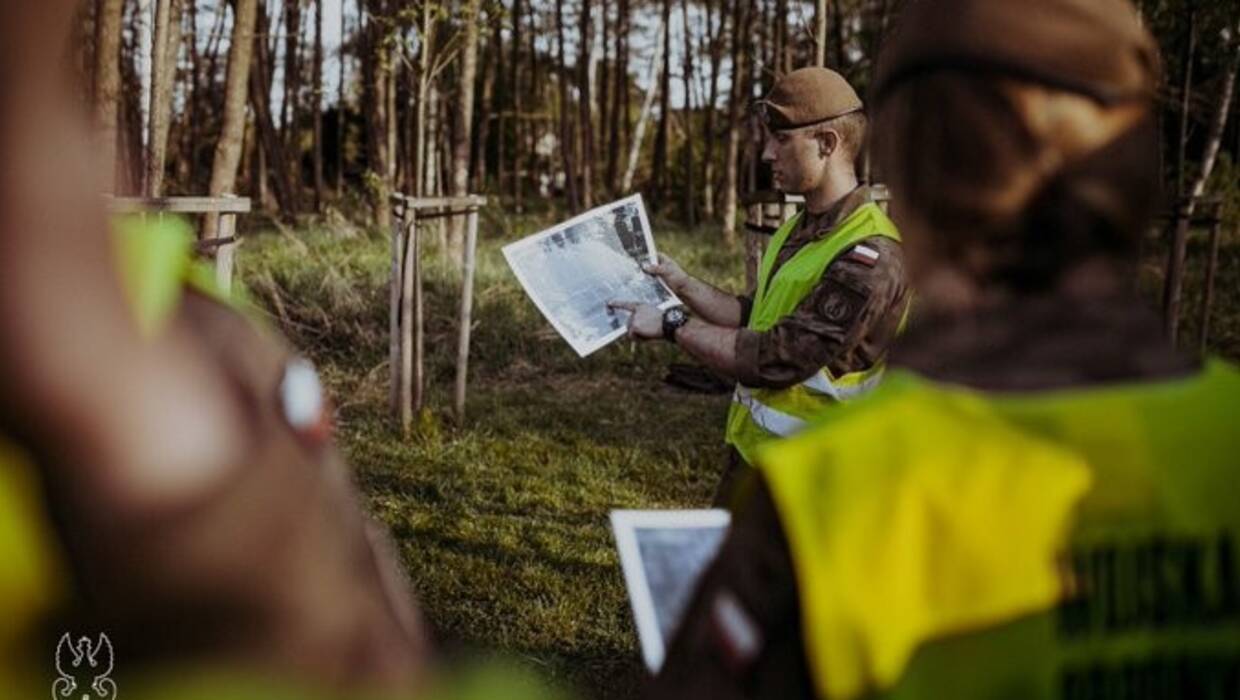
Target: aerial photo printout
{"points": [[573, 269]]}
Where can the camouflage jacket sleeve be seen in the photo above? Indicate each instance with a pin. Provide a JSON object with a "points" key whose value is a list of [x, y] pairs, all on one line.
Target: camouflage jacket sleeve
{"points": [[845, 324]]}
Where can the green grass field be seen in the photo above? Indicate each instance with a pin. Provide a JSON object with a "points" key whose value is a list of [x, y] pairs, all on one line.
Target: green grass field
{"points": [[502, 521]]}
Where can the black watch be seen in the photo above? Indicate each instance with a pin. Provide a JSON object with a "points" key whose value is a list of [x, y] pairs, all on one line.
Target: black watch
{"points": [[673, 319]]}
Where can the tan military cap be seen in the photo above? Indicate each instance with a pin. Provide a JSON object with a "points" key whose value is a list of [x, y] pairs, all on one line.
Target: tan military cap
{"points": [[808, 96], [1096, 48]]}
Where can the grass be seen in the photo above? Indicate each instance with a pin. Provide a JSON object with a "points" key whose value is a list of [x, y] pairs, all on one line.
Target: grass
{"points": [[502, 521]]}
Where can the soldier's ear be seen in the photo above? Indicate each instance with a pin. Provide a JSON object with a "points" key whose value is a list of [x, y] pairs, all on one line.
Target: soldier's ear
{"points": [[828, 142]]}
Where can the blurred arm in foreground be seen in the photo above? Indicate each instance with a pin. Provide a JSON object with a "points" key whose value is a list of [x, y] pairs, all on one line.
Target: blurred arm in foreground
{"points": [[199, 506]]}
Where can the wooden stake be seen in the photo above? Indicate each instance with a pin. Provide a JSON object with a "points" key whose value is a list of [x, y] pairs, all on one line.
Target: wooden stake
{"points": [[1207, 297], [395, 285], [466, 319], [224, 254], [419, 336], [407, 302]]}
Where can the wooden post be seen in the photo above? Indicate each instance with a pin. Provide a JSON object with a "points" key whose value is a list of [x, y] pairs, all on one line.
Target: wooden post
{"points": [[419, 314], [1207, 297], [467, 307], [224, 254], [395, 285], [408, 284], [1173, 284]]}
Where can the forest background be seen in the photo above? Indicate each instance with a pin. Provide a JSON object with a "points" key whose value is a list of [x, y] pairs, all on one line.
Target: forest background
{"points": [[318, 110]]}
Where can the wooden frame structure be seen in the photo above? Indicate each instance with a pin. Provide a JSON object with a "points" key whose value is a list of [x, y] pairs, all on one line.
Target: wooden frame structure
{"points": [[406, 318], [1208, 216], [221, 248]]}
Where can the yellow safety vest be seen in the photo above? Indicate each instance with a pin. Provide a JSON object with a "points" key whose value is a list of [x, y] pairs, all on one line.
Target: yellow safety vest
{"points": [[1066, 544], [758, 415]]}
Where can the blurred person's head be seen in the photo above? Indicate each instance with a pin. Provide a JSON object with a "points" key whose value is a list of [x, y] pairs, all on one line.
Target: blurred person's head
{"points": [[814, 128], [1018, 143]]}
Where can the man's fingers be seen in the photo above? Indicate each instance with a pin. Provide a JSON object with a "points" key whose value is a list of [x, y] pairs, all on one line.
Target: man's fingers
{"points": [[624, 305]]}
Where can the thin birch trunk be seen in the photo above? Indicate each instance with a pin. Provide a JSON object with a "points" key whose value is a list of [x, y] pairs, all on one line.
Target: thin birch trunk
{"points": [[652, 79], [1179, 242]]}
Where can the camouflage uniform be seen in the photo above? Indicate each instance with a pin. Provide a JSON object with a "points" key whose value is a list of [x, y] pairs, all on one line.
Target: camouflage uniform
{"points": [[846, 324]]}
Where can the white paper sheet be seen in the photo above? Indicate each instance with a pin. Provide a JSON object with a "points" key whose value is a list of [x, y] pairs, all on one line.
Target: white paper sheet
{"points": [[573, 269]]}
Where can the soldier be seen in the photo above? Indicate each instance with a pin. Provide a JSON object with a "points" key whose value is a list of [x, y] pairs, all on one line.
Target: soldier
{"points": [[830, 294], [167, 477], [1040, 501]]}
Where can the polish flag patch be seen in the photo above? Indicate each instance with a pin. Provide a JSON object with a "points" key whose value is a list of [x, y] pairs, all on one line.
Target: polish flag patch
{"points": [[863, 254]]}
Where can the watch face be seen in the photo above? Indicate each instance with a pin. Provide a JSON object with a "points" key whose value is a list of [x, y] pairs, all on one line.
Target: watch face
{"points": [[675, 315]]}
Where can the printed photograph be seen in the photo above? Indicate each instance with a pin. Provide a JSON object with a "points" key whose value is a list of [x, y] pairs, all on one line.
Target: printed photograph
{"points": [[573, 269], [663, 554]]}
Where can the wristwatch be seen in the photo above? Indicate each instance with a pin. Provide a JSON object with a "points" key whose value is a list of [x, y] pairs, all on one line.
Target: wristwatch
{"points": [[673, 319]]}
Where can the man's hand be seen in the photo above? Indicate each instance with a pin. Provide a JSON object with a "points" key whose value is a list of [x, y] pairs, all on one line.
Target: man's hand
{"points": [[645, 321], [670, 272]]}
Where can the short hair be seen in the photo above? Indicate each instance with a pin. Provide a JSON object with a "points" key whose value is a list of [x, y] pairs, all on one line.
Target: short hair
{"points": [[851, 129]]}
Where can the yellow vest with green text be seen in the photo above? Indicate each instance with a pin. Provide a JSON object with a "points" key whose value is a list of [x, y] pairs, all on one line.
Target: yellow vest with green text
{"points": [[758, 415], [1066, 544]]}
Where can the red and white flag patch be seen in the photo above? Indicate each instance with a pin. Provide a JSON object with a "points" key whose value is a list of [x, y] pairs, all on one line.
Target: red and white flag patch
{"points": [[863, 254]]}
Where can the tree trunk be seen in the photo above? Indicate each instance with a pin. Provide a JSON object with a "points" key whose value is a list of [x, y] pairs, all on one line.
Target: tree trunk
{"points": [[837, 28], [317, 105], [107, 89], [290, 107], [165, 47], [274, 157], [566, 130], [687, 150], [228, 148], [820, 33], [483, 115], [1179, 242], [605, 92], [708, 159], [427, 42], [375, 106], [584, 103], [652, 79], [463, 132], [514, 84], [665, 83], [618, 128], [1186, 95], [779, 48], [341, 105], [742, 18]]}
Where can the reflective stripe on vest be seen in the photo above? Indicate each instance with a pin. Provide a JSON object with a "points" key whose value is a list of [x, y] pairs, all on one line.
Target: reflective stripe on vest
{"points": [[1042, 541], [757, 415], [785, 425]]}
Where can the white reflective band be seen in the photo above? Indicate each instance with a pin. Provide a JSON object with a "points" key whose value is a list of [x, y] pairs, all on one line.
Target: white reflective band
{"points": [[866, 251], [819, 383], [767, 418]]}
